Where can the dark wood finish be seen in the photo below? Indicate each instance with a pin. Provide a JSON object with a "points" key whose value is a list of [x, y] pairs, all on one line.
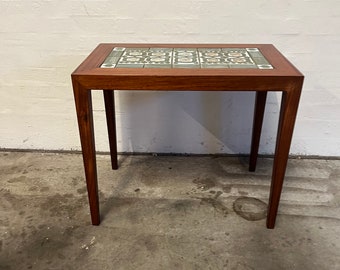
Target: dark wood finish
{"points": [[260, 103], [289, 107], [284, 77], [83, 102], [111, 125]]}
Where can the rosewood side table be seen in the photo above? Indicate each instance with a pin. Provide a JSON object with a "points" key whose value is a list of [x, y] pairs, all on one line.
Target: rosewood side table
{"points": [[187, 67]]}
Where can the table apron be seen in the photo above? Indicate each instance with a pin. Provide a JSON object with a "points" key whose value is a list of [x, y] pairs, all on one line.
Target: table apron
{"points": [[188, 83]]}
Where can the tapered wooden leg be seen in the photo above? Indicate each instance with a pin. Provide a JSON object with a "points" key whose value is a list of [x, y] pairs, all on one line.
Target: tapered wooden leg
{"points": [[289, 107], [83, 102], [111, 125], [260, 103]]}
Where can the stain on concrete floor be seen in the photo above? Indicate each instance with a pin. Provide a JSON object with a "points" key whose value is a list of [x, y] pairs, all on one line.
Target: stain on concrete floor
{"points": [[154, 217], [251, 209]]}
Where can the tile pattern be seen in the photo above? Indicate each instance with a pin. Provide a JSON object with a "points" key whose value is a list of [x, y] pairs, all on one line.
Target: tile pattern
{"points": [[186, 58]]}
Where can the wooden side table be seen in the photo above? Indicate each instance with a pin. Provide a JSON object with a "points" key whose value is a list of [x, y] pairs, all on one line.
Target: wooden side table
{"points": [[187, 67]]}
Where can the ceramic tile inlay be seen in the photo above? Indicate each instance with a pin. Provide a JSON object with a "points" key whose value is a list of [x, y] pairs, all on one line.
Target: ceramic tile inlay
{"points": [[186, 58]]}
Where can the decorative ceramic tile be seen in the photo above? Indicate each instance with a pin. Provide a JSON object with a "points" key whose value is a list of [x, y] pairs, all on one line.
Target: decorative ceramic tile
{"points": [[186, 58]]}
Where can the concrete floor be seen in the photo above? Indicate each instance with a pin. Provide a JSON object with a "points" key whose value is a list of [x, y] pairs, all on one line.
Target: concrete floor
{"points": [[166, 213]]}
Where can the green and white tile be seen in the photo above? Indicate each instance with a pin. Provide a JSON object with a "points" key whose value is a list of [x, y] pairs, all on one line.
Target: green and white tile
{"points": [[121, 57]]}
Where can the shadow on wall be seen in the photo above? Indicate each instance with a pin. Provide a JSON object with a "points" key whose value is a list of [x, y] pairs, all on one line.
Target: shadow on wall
{"points": [[191, 122]]}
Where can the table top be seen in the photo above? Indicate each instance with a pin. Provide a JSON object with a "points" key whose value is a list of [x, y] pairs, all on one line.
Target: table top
{"points": [[197, 66], [155, 57]]}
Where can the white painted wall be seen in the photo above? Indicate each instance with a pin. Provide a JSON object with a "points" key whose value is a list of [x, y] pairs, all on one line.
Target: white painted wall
{"points": [[42, 42]]}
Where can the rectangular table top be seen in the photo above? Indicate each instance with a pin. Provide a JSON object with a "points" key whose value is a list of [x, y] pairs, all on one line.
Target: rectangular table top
{"points": [[207, 67], [154, 57]]}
